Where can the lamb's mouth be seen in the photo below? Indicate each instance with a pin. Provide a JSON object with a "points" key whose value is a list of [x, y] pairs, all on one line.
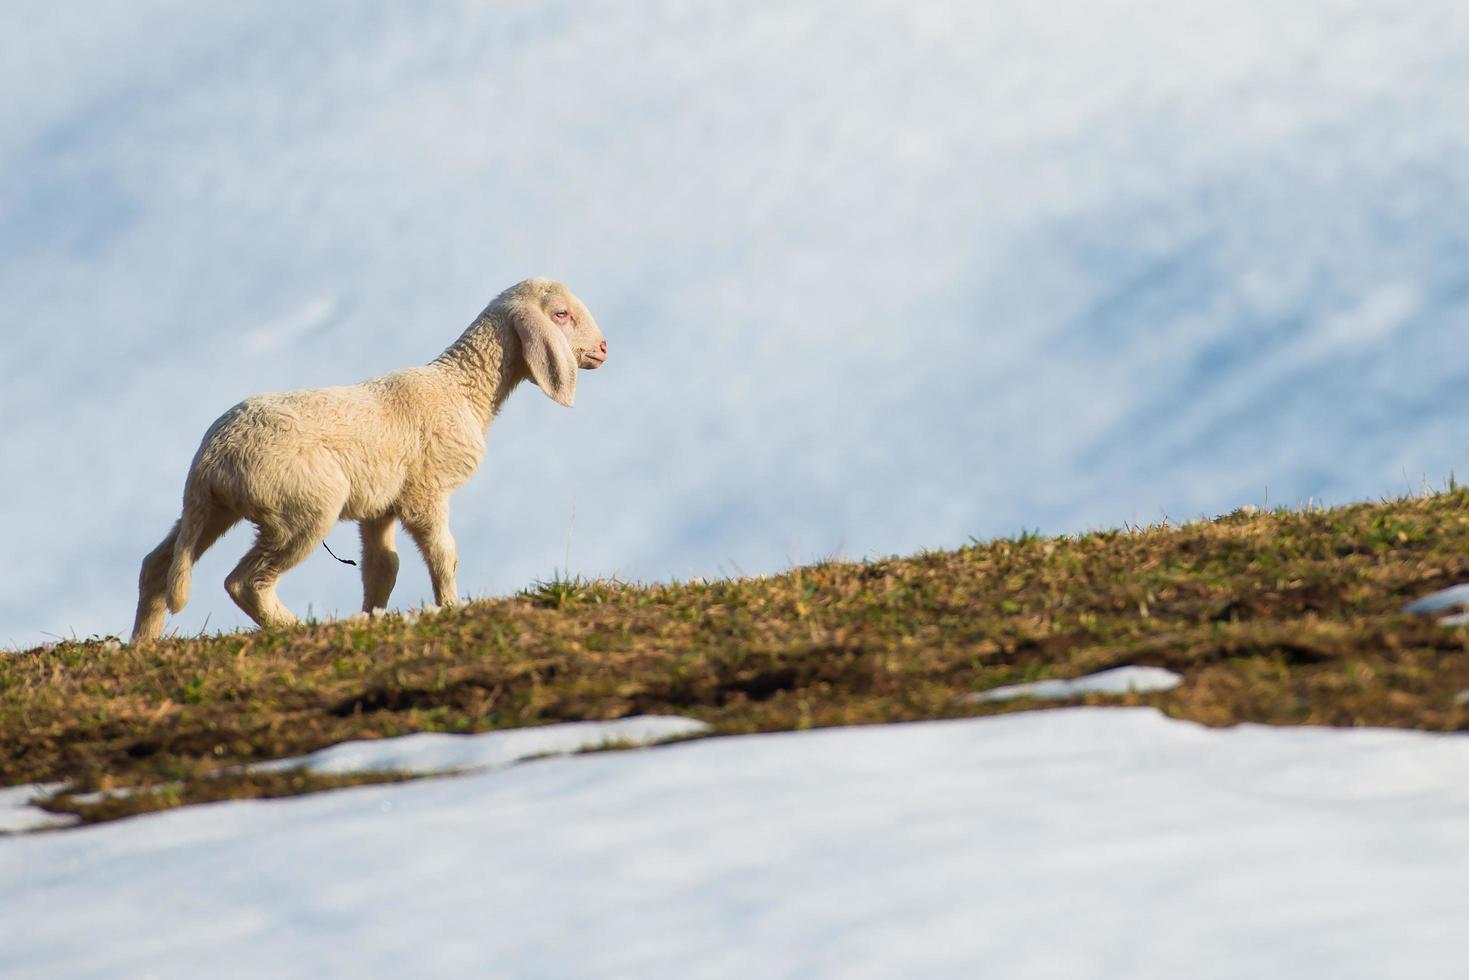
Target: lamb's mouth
{"points": [[591, 361]]}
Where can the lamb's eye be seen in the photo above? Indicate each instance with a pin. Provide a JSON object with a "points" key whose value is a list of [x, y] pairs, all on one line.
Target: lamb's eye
{"points": [[561, 314]]}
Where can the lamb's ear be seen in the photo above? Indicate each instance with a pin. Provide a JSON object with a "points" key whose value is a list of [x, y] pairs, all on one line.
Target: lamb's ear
{"points": [[547, 352]]}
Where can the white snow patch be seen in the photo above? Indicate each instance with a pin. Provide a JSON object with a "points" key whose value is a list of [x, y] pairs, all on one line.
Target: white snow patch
{"points": [[1118, 680], [1079, 843], [1451, 598], [1454, 597], [18, 810], [436, 752]]}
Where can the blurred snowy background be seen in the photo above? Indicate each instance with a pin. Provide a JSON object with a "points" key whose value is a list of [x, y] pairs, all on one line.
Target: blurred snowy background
{"points": [[876, 276]]}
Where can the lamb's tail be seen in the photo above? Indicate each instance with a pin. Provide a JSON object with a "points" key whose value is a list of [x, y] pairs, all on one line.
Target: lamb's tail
{"points": [[185, 547]]}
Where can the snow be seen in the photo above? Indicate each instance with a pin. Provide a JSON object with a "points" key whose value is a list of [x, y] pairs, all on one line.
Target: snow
{"points": [[1454, 597], [1118, 680], [1069, 843], [18, 812], [1451, 598], [435, 752]]}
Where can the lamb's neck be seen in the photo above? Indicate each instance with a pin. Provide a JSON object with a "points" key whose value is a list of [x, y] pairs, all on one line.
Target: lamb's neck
{"points": [[485, 362]]}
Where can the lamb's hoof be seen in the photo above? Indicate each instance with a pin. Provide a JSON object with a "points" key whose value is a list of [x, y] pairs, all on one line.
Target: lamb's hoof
{"points": [[378, 612]]}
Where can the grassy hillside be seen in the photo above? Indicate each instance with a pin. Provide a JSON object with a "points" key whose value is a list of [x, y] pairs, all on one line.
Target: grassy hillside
{"points": [[1284, 617]]}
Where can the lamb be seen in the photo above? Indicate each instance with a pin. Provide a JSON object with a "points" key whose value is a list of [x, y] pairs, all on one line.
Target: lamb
{"points": [[387, 450]]}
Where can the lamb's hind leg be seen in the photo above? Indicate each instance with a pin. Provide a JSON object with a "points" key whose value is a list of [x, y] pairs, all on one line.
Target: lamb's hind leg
{"points": [[152, 584], [276, 551], [153, 578]]}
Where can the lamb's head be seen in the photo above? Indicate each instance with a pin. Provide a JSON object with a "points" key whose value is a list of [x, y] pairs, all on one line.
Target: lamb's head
{"points": [[557, 335]]}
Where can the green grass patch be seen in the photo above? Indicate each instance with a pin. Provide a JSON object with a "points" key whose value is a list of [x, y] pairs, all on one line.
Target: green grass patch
{"points": [[1281, 617]]}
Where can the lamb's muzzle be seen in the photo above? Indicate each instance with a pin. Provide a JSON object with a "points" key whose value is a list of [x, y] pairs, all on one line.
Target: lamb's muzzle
{"points": [[389, 450]]}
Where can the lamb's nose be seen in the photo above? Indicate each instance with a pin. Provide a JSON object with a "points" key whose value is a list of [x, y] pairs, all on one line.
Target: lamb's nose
{"points": [[602, 347]]}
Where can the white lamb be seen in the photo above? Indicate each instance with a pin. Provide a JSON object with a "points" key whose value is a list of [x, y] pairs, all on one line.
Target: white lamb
{"points": [[386, 450]]}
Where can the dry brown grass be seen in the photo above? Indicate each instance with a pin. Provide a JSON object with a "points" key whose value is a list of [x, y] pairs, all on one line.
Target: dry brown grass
{"points": [[1273, 617]]}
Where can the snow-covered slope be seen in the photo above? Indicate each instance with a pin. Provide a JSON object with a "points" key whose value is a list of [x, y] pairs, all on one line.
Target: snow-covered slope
{"points": [[1074, 843], [875, 275]]}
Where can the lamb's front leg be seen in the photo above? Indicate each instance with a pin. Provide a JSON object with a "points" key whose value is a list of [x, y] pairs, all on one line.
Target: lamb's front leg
{"points": [[379, 562], [430, 531]]}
